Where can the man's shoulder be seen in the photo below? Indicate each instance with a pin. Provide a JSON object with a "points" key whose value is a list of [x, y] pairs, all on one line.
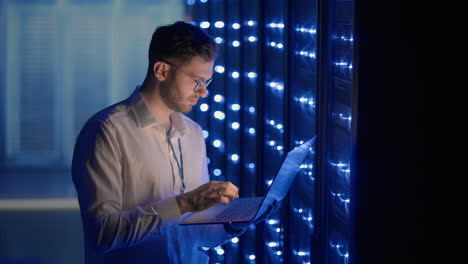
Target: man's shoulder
{"points": [[190, 123], [109, 116]]}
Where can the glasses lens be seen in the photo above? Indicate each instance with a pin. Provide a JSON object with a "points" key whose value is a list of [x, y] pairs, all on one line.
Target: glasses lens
{"points": [[208, 82], [197, 86], [200, 84]]}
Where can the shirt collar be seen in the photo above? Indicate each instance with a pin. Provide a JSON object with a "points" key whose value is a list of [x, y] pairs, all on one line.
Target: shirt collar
{"points": [[145, 117]]}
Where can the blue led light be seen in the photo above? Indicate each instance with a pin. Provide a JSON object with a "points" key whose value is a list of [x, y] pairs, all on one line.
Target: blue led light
{"points": [[272, 244], [234, 157], [306, 101], [235, 75], [272, 221], [236, 25], [219, 115], [236, 43], [204, 107], [205, 134], [204, 24], [306, 30], [235, 240], [235, 107], [346, 118], [306, 54], [251, 23], [235, 125], [217, 143], [276, 85], [190, 2], [252, 109], [217, 172], [219, 40], [276, 25], [350, 39], [252, 257], [218, 98], [345, 65], [342, 168], [339, 195], [252, 131], [219, 250], [219, 24], [252, 75], [252, 38], [339, 164], [219, 69], [203, 1], [276, 45], [340, 250]]}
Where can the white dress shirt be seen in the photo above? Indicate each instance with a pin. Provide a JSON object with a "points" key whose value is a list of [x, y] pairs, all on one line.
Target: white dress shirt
{"points": [[127, 178]]}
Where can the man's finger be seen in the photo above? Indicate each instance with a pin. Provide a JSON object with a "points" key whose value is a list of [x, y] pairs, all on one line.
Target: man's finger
{"points": [[224, 200], [230, 194], [232, 189]]}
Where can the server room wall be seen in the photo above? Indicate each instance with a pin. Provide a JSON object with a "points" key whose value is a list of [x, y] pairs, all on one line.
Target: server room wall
{"points": [[284, 74]]}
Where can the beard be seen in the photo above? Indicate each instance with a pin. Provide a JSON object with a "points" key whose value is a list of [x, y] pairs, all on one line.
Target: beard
{"points": [[169, 92]]}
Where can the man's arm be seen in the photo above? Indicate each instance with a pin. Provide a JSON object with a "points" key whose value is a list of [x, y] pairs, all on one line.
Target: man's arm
{"points": [[96, 169]]}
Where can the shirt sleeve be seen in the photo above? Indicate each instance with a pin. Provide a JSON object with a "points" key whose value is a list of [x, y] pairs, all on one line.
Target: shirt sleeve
{"points": [[96, 171]]}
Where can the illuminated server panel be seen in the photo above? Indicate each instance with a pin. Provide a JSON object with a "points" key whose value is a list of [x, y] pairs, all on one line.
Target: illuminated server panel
{"points": [[339, 136], [282, 76], [229, 115]]}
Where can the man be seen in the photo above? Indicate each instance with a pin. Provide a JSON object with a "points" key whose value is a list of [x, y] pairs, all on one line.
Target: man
{"points": [[140, 164]]}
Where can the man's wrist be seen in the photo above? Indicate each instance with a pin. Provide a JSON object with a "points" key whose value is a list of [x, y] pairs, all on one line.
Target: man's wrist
{"points": [[184, 206]]}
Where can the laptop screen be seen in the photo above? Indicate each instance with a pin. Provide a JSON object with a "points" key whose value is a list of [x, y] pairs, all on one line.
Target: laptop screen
{"points": [[285, 177]]}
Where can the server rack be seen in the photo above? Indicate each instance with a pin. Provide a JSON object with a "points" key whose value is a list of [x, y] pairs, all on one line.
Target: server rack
{"points": [[276, 68], [291, 69]]}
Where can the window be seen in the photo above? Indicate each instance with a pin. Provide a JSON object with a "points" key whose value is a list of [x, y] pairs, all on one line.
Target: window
{"points": [[65, 60]]}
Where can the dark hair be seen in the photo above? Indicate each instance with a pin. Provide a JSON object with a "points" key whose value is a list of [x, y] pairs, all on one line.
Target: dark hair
{"points": [[180, 42]]}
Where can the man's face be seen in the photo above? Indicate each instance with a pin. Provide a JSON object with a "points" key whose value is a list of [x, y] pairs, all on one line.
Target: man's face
{"points": [[177, 91]]}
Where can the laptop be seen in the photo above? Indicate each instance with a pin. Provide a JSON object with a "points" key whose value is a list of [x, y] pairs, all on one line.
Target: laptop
{"points": [[243, 210]]}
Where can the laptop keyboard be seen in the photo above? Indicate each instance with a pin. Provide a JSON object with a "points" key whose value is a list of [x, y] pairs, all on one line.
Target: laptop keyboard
{"points": [[238, 210]]}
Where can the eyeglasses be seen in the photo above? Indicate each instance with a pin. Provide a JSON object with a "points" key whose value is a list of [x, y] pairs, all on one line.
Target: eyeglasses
{"points": [[198, 85]]}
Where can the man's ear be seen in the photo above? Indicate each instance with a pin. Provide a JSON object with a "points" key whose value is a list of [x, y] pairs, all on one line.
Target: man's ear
{"points": [[160, 71]]}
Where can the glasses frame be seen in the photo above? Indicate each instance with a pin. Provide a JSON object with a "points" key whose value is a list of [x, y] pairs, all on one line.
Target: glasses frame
{"points": [[198, 83]]}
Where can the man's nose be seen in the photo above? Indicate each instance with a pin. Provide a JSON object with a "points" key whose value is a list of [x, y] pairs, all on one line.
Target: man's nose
{"points": [[203, 92]]}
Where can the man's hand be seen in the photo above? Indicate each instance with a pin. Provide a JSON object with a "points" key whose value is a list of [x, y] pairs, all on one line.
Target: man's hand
{"points": [[206, 196]]}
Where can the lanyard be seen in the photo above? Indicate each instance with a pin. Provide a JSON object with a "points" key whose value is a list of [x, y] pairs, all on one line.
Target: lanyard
{"points": [[180, 164]]}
